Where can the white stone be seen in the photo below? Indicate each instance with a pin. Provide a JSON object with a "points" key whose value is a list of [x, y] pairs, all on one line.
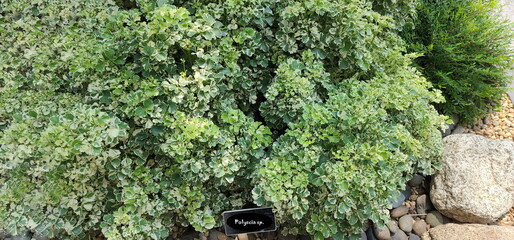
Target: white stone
{"points": [[476, 182], [469, 232]]}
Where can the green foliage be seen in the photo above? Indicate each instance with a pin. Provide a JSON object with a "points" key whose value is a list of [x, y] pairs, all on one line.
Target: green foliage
{"points": [[466, 53], [131, 119]]}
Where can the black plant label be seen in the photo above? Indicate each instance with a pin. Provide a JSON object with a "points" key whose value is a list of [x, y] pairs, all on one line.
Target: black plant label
{"points": [[251, 220]]}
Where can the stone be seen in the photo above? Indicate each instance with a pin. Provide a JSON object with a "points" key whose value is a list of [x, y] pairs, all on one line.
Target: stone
{"points": [[419, 227], [403, 195], [23, 235], [363, 236], [399, 235], [434, 218], [392, 226], [487, 120], [381, 233], [405, 223], [459, 130], [416, 180], [217, 235], [476, 181], [446, 219], [4, 234], [414, 237], [370, 234], [413, 197], [454, 231], [399, 211], [423, 204]]}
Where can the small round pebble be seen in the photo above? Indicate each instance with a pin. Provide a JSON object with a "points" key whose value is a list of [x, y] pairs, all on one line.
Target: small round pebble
{"points": [[399, 211], [419, 227], [416, 180], [405, 223], [434, 218], [381, 233], [423, 204], [392, 225], [414, 237], [399, 235]]}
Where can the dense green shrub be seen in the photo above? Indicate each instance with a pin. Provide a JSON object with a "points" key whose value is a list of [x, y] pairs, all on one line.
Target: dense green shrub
{"points": [[133, 119], [466, 53]]}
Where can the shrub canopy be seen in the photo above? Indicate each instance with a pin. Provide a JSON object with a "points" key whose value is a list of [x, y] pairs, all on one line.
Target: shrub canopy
{"points": [[466, 47], [133, 118]]}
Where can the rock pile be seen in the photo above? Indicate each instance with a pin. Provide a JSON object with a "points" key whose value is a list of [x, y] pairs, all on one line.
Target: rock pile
{"points": [[413, 214]]}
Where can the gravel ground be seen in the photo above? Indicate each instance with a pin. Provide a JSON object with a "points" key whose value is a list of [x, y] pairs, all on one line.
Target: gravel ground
{"points": [[498, 124]]}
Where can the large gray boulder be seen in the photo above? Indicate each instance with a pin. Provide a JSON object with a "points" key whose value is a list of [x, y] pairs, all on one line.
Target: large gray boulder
{"points": [[476, 182], [453, 231]]}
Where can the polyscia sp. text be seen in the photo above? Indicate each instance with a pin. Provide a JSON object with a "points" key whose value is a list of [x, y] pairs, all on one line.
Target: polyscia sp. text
{"points": [[250, 222]]}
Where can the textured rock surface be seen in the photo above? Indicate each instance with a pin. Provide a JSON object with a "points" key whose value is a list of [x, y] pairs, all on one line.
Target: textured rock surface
{"points": [[476, 182], [453, 231]]}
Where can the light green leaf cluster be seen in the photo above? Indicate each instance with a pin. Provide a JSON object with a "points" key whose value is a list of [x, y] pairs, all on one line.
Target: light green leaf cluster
{"points": [[53, 154], [351, 153], [133, 118]]}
